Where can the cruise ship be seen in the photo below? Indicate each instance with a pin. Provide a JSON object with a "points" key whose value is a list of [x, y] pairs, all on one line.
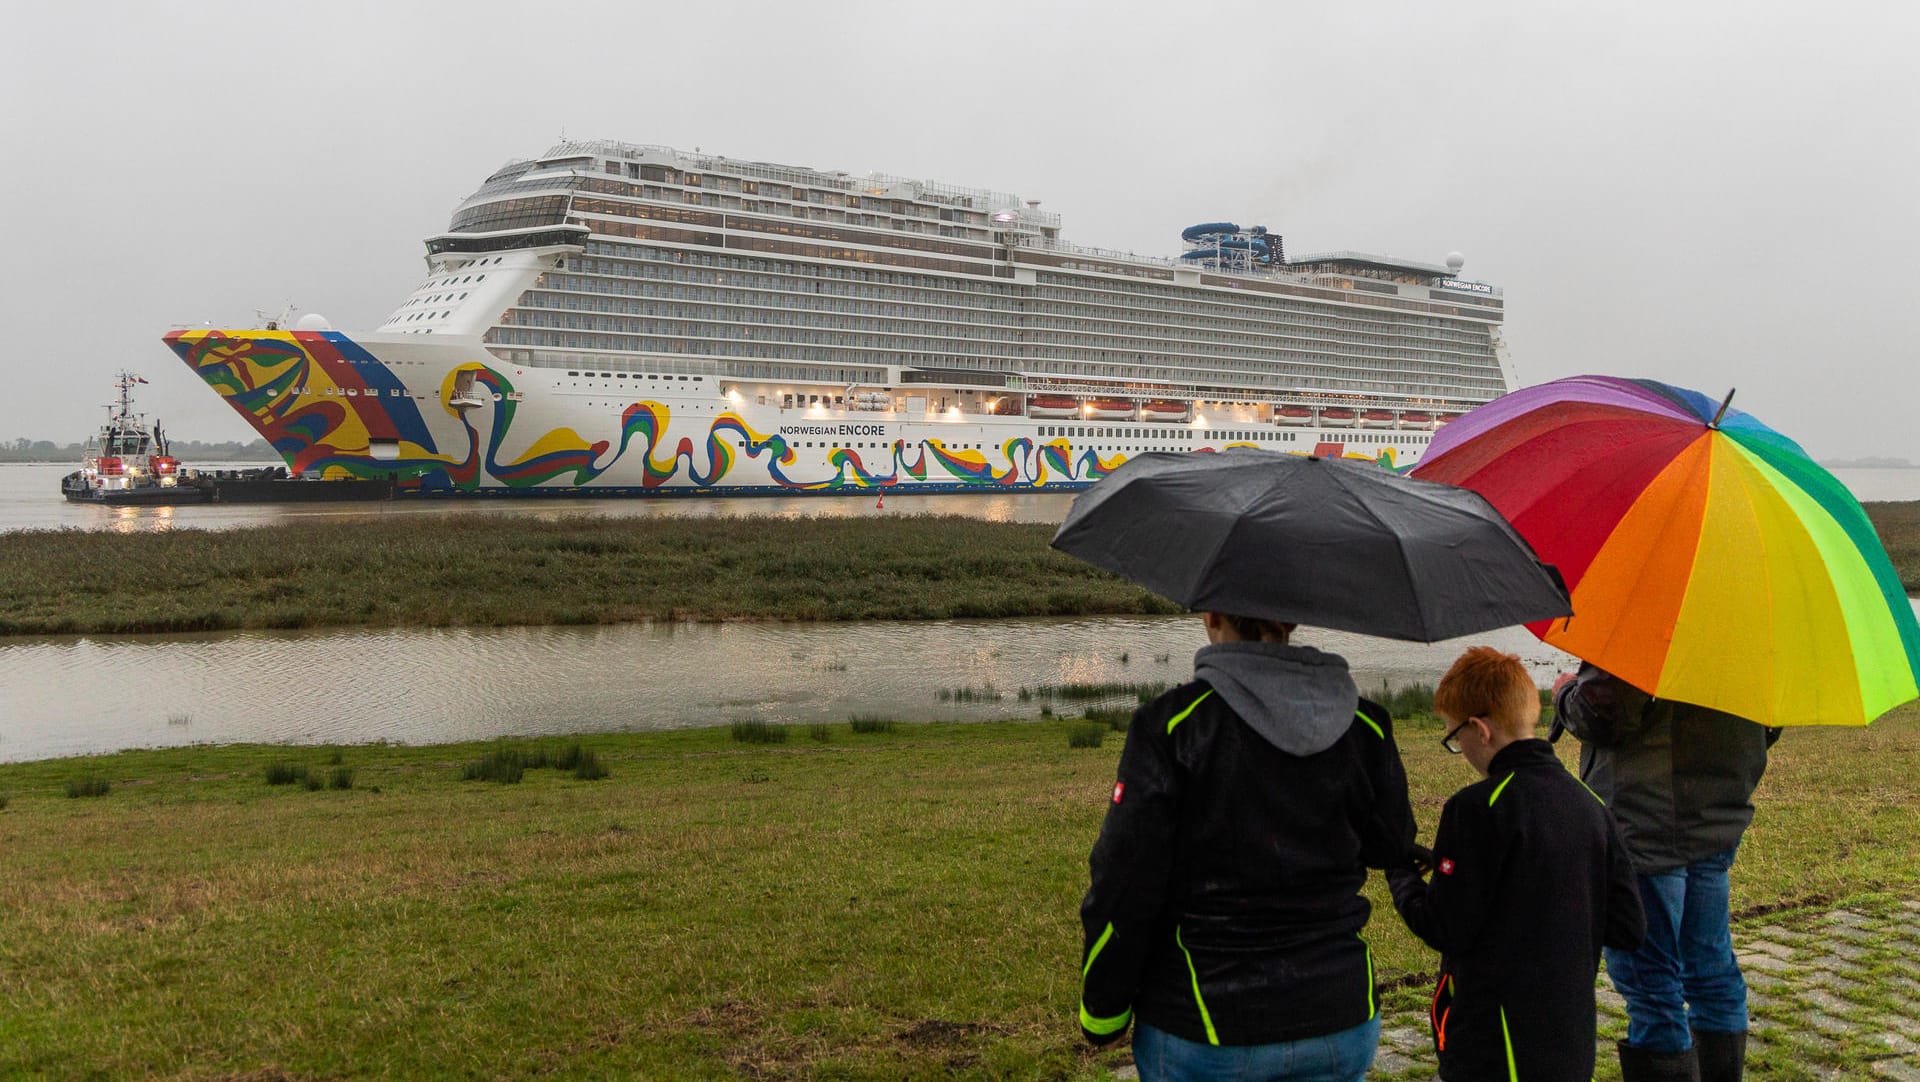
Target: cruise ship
{"points": [[620, 319]]}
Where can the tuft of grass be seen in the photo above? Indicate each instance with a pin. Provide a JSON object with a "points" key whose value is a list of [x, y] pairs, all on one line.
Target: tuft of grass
{"points": [[588, 767], [869, 724], [755, 731], [88, 785], [1114, 718], [984, 694], [820, 731], [336, 757], [1086, 734], [1410, 701], [504, 765], [286, 773], [3, 801], [313, 783], [341, 778]]}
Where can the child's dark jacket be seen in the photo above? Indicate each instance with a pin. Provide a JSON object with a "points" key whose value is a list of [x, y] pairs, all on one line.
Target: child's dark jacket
{"points": [[1531, 879]]}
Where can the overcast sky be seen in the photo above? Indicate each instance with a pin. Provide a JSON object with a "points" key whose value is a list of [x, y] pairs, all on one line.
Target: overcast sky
{"points": [[1718, 195]]}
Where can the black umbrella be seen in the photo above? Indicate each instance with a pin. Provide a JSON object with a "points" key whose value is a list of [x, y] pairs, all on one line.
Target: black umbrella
{"points": [[1302, 540]]}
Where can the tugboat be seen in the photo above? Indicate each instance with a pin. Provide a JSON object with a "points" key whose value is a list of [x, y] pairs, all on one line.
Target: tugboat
{"points": [[125, 463]]}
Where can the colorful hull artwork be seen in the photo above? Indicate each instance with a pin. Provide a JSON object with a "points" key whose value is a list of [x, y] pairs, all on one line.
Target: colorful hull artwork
{"points": [[446, 417]]}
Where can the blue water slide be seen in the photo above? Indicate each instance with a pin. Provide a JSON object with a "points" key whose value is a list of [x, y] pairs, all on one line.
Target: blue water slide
{"points": [[1257, 245], [1195, 232]]}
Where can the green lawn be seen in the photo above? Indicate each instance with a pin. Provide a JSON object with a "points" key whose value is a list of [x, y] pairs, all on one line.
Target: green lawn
{"points": [[878, 905]]}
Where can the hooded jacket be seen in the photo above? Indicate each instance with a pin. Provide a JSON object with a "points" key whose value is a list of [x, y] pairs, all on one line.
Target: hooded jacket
{"points": [[1225, 904], [1531, 879], [1679, 778]]}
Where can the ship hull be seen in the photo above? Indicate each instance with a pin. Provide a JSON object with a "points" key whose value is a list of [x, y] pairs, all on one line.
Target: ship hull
{"points": [[444, 416]]}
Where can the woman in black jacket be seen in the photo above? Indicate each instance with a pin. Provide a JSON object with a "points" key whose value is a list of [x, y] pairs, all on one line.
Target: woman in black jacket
{"points": [[1225, 913]]}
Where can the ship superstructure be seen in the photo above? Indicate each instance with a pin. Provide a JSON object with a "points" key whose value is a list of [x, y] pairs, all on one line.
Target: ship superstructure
{"points": [[620, 318]]}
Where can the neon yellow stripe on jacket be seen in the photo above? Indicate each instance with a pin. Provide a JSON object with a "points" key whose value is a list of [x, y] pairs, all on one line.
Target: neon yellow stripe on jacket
{"points": [[1182, 715], [1205, 1018]]}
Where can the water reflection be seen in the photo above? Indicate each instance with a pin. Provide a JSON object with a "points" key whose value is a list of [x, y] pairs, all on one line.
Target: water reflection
{"points": [[80, 695]]}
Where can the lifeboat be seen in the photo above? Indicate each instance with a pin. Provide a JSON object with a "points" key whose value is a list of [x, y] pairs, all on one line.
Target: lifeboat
{"points": [[1416, 419], [1052, 405], [1163, 411], [1446, 417], [1294, 415], [1337, 417], [1376, 419], [1110, 409]]}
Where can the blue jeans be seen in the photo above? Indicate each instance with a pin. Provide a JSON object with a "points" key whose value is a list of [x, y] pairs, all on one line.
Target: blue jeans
{"points": [[1336, 1057], [1684, 976]]}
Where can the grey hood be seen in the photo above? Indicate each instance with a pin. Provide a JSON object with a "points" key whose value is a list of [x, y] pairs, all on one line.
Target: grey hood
{"points": [[1300, 699]]}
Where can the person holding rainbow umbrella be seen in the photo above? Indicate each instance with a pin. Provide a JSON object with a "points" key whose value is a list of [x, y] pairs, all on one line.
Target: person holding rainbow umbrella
{"points": [[1723, 585]]}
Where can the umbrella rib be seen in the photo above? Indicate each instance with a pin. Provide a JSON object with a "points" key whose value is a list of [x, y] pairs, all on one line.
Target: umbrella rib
{"points": [[1400, 545]]}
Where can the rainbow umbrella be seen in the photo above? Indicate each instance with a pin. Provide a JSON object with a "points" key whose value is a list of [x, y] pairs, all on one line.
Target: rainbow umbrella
{"points": [[1710, 560]]}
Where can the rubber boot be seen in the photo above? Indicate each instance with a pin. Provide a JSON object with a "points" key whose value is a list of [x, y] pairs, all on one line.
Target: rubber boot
{"points": [[1723, 1056], [1646, 1065]]}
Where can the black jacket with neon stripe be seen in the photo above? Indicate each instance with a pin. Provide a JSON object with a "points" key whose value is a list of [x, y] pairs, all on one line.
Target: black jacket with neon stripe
{"points": [[1225, 905], [1531, 878]]}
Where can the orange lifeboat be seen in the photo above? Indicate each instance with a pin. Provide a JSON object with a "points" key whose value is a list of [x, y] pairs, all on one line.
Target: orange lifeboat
{"points": [[1110, 409], [1376, 419], [1294, 415], [1052, 405], [1163, 411], [1446, 417], [1337, 417], [1415, 419]]}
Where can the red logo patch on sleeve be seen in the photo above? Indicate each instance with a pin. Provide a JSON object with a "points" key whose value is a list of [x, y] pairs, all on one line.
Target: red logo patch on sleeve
{"points": [[1119, 787], [1446, 866]]}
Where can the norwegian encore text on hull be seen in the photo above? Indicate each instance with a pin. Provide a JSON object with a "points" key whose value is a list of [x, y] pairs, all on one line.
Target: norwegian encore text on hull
{"points": [[620, 319]]}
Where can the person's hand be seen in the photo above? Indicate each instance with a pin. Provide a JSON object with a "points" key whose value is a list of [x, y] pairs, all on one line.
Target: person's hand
{"points": [[1561, 681], [1423, 860]]}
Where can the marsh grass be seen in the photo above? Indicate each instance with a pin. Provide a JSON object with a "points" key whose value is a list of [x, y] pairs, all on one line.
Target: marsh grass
{"points": [[1086, 734], [286, 773], [898, 908], [986, 693], [3, 801], [869, 724], [1141, 691], [820, 732], [88, 785], [588, 767], [1115, 719], [503, 765], [488, 570], [340, 778], [755, 731], [1409, 701]]}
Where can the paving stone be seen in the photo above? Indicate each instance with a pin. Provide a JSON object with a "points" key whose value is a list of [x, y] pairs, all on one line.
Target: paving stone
{"points": [[1827, 1023], [1900, 1070], [1829, 979], [1766, 961], [1827, 1001], [1850, 918], [1129, 1072], [1759, 978], [1404, 1037], [1387, 1062], [1896, 1042], [1850, 951], [1765, 946]]}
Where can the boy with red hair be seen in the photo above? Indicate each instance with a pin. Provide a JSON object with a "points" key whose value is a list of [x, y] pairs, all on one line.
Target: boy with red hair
{"points": [[1530, 879]]}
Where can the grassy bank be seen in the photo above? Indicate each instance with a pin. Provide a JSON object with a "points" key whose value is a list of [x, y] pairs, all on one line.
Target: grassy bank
{"points": [[898, 902], [475, 570], [490, 570]]}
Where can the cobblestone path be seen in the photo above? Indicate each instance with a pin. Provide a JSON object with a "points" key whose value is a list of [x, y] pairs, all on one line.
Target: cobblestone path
{"points": [[1834, 995]]}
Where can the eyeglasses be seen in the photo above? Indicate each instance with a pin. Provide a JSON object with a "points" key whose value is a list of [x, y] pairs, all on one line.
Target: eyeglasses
{"points": [[1447, 741]]}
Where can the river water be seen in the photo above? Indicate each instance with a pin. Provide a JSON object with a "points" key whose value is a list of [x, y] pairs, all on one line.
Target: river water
{"points": [[72, 696]]}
